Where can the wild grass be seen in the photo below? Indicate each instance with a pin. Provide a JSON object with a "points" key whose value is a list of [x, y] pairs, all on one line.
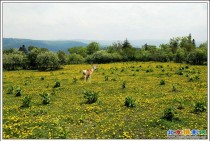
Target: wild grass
{"points": [[68, 116]]}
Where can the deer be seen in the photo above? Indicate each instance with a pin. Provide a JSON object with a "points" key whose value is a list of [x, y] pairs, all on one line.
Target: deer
{"points": [[88, 72]]}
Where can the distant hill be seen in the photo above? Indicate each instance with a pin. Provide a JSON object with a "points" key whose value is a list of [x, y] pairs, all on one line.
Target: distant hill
{"points": [[51, 45], [55, 45]]}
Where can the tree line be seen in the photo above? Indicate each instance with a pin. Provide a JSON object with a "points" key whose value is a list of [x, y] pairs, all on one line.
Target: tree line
{"points": [[179, 49]]}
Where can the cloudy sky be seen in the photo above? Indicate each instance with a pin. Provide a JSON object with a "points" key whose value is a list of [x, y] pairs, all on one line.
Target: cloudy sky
{"points": [[104, 21]]}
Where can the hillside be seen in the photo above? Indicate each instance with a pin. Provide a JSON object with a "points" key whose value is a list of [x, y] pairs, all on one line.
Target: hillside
{"points": [[51, 45]]}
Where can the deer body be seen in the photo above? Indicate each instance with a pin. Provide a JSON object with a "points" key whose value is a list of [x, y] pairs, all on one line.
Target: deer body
{"points": [[87, 73]]}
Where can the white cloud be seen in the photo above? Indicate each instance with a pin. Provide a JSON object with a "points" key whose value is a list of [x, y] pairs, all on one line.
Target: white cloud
{"points": [[104, 20]]}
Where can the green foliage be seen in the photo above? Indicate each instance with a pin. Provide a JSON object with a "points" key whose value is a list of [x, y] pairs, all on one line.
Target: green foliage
{"points": [[91, 96], [26, 101], [45, 98], [199, 107], [179, 72], [18, 91], [78, 50], [62, 56], [124, 85], [10, 90], [13, 61], [130, 102], [75, 59], [162, 82], [75, 80], [174, 89], [93, 47], [47, 61], [42, 78], [57, 84], [194, 78], [149, 70], [169, 114], [106, 78]]}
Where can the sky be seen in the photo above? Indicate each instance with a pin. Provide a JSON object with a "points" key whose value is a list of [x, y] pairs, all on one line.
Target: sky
{"points": [[104, 21]]}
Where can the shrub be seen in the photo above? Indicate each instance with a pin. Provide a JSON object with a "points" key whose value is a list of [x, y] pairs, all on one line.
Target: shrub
{"points": [[75, 80], [18, 92], [106, 78], [174, 89], [149, 70], [45, 98], [199, 107], [57, 84], [47, 60], [26, 101], [10, 90], [91, 96], [168, 114], [42, 78], [179, 72], [130, 102], [124, 85], [162, 82]]}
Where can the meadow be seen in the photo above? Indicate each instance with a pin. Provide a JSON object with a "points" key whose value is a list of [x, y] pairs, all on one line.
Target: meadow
{"points": [[154, 86]]}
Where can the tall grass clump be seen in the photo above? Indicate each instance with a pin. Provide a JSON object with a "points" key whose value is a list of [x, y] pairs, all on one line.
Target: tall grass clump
{"points": [[130, 102], [91, 96]]}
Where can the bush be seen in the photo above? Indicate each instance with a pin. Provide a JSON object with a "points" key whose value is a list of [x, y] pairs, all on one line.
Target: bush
{"points": [[130, 102], [106, 78], [75, 80], [75, 59], [57, 84], [179, 72], [199, 107], [124, 85], [18, 92], [91, 96], [47, 61], [26, 101], [168, 114], [162, 82], [10, 90], [45, 98]]}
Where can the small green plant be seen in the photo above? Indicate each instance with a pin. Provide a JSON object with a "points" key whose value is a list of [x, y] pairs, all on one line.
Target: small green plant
{"points": [[130, 102], [149, 70], [106, 78], [26, 101], [45, 98], [179, 72], [91, 96], [124, 85], [168, 114], [174, 89], [42, 78], [194, 78], [199, 107], [57, 84], [10, 90], [162, 82], [180, 106], [75, 80], [18, 92]]}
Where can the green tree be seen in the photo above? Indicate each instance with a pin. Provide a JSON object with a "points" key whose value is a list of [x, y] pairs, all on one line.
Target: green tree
{"points": [[62, 57], [75, 59], [13, 61], [47, 61], [78, 50], [93, 47], [126, 44], [180, 55]]}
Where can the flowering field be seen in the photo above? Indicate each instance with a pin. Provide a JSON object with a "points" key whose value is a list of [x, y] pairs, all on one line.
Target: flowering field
{"points": [[65, 113]]}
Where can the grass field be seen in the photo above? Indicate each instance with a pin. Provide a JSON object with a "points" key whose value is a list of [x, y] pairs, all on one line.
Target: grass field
{"points": [[154, 86]]}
